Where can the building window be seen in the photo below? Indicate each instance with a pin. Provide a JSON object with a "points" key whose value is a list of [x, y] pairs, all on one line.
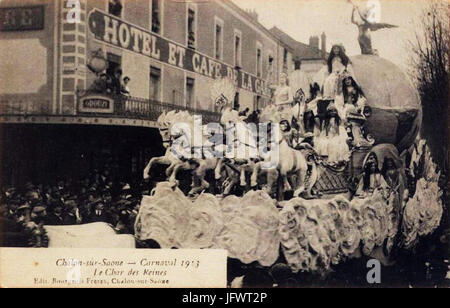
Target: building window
{"points": [[270, 69], [114, 72], [190, 94], [237, 48], [155, 83], [236, 101], [218, 39], [285, 58], [156, 16], [191, 29], [114, 63], [257, 103], [115, 7], [258, 60]]}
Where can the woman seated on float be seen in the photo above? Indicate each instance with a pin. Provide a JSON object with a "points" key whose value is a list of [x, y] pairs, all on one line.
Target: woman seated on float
{"points": [[352, 99], [371, 178], [302, 115], [312, 123], [332, 140], [351, 106], [287, 133]]}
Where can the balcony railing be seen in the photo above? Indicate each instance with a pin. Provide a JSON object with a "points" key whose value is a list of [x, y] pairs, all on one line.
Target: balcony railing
{"points": [[24, 106], [124, 107], [134, 107]]}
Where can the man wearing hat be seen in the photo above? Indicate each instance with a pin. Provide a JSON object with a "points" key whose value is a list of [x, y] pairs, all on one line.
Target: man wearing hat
{"points": [[33, 196], [107, 197], [100, 85], [23, 213], [86, 205], [123, 225], [55, 217], [99, 214], [72, 216], [9, 193], [39, 214], [116, 81], [71, 212], [12, 206], [125, 193]]}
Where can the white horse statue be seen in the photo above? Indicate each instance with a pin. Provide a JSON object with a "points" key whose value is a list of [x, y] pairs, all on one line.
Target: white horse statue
{"points": [[290, 163], [204, 156], [175, 160]]}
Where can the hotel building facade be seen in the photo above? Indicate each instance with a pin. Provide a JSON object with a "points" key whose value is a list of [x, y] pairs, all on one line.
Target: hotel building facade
{"points": [[172, 51]]}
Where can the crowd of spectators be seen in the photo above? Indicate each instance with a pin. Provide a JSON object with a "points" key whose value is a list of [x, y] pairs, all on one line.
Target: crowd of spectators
{"points": [[96, 198]]}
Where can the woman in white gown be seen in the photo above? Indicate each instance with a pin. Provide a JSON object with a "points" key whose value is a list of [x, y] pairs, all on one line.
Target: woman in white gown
{"points": [[331, 141], [337, 147], [338, 64]]}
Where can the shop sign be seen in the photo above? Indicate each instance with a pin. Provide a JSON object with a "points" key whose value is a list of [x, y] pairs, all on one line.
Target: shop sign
{"points": [[96, 104], [114, 31], [22, 18]]}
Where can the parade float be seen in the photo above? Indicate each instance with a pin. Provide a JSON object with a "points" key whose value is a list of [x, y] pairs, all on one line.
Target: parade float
{"points": [[337, 170], [381, 197]]}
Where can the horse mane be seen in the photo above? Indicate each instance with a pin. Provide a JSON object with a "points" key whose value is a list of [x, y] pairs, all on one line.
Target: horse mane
{"points": [[161, 118]]}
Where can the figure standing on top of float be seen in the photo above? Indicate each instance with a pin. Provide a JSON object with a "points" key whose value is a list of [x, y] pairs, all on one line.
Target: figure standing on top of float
{"points": [[367, 21], [283, 94], [338, 63]]}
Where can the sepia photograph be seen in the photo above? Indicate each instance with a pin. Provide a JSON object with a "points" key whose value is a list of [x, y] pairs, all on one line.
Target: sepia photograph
{"points": [[224, 144]]}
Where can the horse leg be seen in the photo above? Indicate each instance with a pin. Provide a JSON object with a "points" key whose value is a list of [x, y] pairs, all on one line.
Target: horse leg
{"points": [[232, 181], [286, 185], [272, 177], [169, 169], [254, 177], [218, 169], [201, 173], [146, 173], [242, 175], [195, 186], [312, 181], [154, 160], [173, 177], [302, 173]]}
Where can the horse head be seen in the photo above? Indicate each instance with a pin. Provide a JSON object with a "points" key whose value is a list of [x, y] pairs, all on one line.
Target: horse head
{"points": [[163, 127], [161, 118]]}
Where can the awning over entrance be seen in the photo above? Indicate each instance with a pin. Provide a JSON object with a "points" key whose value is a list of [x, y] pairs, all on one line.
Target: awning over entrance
{"points": [[45, 153]]}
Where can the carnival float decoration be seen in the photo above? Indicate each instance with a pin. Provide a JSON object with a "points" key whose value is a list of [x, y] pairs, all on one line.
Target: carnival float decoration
{"points": [[354, 178]]}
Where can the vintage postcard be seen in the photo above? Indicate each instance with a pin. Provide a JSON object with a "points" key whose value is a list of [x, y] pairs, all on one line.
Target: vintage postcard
{"points": [[224, 143]]}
